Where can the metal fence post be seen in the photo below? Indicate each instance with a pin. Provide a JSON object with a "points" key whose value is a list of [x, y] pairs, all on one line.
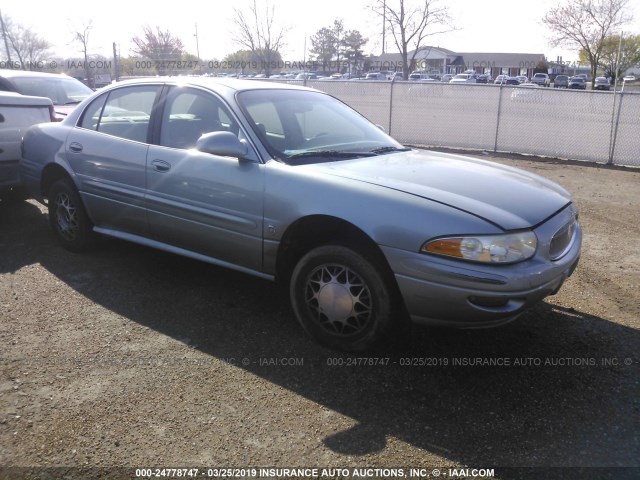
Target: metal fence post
{"points": [[390, 105], [495, 142], [614, 127]]}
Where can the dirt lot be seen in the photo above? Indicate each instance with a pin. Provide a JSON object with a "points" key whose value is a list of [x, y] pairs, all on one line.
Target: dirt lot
{"points": [[126, 356]]}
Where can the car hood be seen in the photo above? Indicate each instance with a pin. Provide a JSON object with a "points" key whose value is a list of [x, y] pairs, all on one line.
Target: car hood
{"points": [[507, 197]]}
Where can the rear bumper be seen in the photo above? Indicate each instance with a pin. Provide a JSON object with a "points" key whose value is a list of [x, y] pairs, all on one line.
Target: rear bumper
{"points": [[30, 175], [9, 177]]}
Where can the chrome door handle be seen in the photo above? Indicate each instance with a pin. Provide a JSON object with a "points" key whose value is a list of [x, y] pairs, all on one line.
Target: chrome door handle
{"points": [[161, 166], [75, 147]]}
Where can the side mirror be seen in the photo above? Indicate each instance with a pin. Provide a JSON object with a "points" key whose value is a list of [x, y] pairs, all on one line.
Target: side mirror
{"points": [[225, 144]]}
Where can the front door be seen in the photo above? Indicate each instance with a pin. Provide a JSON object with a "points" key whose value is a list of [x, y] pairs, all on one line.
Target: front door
{"points": [[204, 203]]}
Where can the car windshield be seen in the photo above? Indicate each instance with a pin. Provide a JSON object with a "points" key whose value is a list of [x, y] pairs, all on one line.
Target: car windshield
{"points": [[308, 127], [61, 90]]}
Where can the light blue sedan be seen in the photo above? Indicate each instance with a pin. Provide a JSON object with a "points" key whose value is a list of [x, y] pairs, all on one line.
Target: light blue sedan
{"points": [[290, 184]]}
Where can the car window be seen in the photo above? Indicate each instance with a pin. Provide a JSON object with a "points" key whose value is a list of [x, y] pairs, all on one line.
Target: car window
{"points": [[60, 89], [190, 113], [315, 122], [299, 124], [124, 112], [91, 115], [264, 114]]}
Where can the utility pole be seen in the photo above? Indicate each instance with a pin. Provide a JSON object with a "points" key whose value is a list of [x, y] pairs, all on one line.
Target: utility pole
{"points": [[115, 63], [198, 47], [384, 22]]}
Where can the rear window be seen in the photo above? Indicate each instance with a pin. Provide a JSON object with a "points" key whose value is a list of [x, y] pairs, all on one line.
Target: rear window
{"points": [[60, 89]]}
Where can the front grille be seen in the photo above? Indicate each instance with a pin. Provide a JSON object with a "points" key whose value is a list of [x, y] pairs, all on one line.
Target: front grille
{"points": [[562, 240]]}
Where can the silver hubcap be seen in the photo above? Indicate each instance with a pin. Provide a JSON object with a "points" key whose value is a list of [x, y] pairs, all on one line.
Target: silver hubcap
{"points": [[339, 299], [66, 216]]}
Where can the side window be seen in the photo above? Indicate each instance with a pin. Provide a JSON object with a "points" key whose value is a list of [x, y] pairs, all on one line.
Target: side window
{"points": [[91, 116], [125, 113], [190, 113]]}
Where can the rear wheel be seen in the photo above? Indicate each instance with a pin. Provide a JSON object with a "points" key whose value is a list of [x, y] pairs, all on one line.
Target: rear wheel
{"points": [[341, 298], [68, 218]]}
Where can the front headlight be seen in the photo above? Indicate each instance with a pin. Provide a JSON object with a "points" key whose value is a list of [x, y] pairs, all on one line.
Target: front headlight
{"points": [[506, 248]]}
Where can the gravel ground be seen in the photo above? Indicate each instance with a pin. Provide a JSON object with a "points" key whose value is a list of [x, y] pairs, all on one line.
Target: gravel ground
{"points": [[130, 357]]}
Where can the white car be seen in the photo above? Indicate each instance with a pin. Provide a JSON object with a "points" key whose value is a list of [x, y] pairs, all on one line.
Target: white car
{"points": [[17, 114], [463, 78]]}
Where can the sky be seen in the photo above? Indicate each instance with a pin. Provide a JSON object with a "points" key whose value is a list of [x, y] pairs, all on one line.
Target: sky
{"points": [[513, 27]]}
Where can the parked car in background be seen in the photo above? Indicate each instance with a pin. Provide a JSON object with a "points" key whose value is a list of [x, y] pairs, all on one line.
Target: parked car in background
{"points": [[463, 78], [482, 78], [602, 83], [578, 83], [446, 78], [541, 79], [561, 81], [307, 76], [376, 76], [271, 179], [527, 92], [65, 92], [421, 77], [17, 113], [522, 79], [501, 79]]}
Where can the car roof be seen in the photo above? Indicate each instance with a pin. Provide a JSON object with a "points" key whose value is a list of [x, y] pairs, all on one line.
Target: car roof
{"points": [[27, 73], [213, 82]]}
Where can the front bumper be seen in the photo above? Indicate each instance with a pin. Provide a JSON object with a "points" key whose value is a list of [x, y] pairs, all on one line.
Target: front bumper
{"points": [[440, 291]]}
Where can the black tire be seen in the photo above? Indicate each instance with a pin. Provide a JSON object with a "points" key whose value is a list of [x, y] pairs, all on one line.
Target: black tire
{"points": [[341, 298], [68, 218]]}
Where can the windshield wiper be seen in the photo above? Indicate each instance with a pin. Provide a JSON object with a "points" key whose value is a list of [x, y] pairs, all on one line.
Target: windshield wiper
{"points": [[73, 102], [389, 149], [331, 154]]}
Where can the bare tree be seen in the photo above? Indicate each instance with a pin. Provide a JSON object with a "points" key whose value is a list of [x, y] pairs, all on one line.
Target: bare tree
{"points": [[258, 32], [410, 22], [4, 25], [35, 48], [160, 46], [584, 25], [26, 46], [82, 37]]}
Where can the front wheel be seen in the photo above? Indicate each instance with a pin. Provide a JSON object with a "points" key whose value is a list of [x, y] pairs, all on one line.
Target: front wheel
{"points": [[341, 298], [68, 218]]}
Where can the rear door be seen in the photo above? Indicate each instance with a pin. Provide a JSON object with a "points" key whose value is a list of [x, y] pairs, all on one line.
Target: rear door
{"points": [[108, 152]]}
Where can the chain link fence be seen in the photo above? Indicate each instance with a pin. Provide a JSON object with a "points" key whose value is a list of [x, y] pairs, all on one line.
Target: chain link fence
{"points": [[595, 126]]}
